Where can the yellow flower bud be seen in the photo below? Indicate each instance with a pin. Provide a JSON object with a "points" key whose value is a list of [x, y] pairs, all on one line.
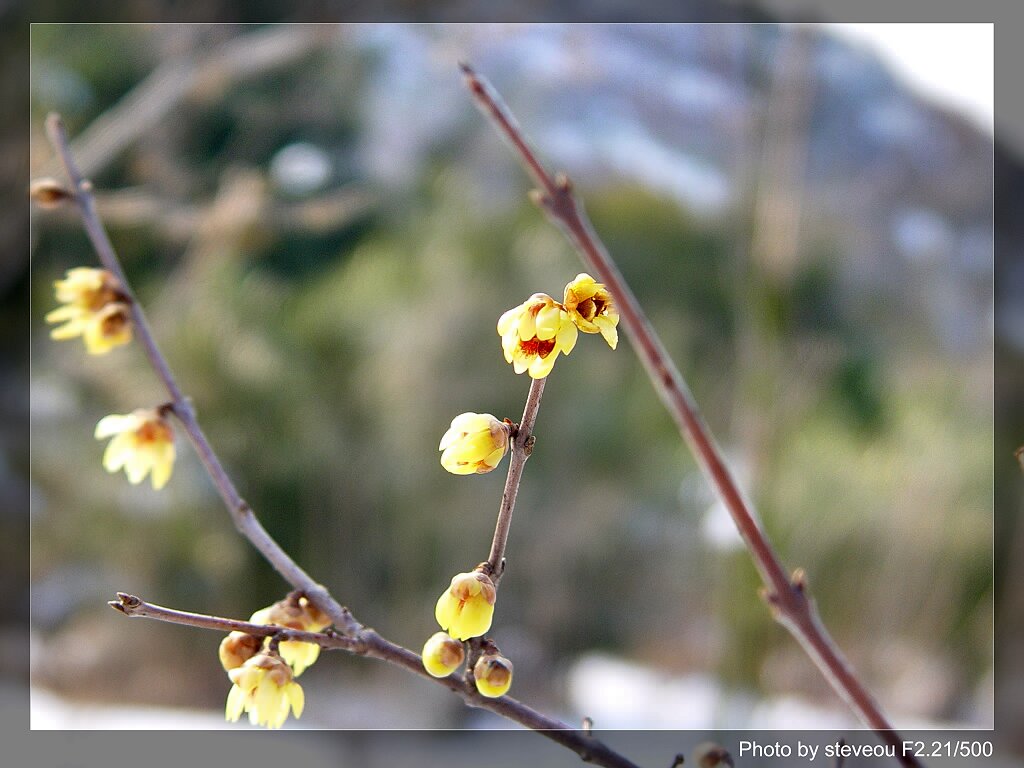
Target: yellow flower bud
{"points": [[264, 687], [534, 333], [591, 308], [93, 307], [237, 648], [442, 654], [143, 442], [295, 614], [493, 675], [466, 608], [474, 443]]}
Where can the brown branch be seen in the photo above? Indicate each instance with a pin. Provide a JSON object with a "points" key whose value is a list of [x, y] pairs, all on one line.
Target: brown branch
{"points": [[133, 606], [788, 598], [522, 447], [359, 639], [369, 643]]}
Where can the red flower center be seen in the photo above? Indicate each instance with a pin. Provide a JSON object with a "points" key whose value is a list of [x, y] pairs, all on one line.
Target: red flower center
{"points": [[536, 347]]}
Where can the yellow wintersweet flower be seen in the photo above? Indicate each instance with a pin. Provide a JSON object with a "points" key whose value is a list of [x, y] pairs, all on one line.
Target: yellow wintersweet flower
{"points": [[442, 654], [475, 442], [264, 687], [591, 308], [295, 614], [93, 307], [466, 608], [143, 442], [493, 675], [534, 333]]}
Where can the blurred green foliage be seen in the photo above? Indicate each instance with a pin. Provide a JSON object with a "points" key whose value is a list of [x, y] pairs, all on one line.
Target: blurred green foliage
{"points": [[326, 365]]}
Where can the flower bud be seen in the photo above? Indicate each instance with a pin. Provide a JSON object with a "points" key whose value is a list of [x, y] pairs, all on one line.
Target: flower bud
{"points": [[237, 648], [466, 608], [442, 654], [49, 193], [295, 614], [474, 443], [493, 675]]}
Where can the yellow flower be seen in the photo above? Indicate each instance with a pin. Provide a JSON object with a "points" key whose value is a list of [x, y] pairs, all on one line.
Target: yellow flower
{"points": [[143, 441], [493, 675], [442, 654], [295, 614], [264, 687], [475, 442], [466, 608], [534, 333], [237, 648], [591, 308], [93, 307]]}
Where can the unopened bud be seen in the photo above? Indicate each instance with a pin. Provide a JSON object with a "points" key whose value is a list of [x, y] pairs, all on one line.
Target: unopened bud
{"points": [[237, 648], [442, 654], [493, 675], [49, 193]]}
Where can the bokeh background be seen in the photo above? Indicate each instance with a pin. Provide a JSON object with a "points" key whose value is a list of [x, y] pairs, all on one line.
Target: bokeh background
{"points": [[324, 231]]}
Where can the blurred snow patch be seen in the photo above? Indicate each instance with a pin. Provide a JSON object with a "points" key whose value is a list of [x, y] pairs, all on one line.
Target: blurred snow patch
{"points": [[50, 712], [300, 168]]}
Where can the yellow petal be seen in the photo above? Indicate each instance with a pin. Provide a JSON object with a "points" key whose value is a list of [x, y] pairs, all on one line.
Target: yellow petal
{"points": [[118, 452], [137, 466], [608, 330], [115, 423], [567, 335], [527, 326], [542, 366], [507, 321], [548, 320], [297, 698], [235, 704]]}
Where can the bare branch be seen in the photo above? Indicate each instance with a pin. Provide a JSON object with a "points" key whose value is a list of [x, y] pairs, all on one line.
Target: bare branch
{"points": [[133, 606], [369, 643], [358, 639], [522, 447], [790, 602]]}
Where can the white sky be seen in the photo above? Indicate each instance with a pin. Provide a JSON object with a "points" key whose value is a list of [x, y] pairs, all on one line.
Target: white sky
{"points": [[951, 64]]}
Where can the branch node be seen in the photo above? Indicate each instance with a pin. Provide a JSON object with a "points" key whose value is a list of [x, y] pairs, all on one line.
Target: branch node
{"points": [[528, 445], [588, 726], [799, 580], [541, 199]]}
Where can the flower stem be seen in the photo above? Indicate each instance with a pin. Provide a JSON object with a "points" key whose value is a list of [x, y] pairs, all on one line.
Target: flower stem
{"points": [[522, 447], [787, 597]]}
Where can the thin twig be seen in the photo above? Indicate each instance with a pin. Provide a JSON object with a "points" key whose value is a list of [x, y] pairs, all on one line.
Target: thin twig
{"points": [[363, 640], [790, 602], [244, 519], [133, 606], [369, 643], [522, 447]]}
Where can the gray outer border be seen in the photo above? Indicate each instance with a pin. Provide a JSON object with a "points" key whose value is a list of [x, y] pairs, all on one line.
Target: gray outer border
{"points": [[26, 749]]}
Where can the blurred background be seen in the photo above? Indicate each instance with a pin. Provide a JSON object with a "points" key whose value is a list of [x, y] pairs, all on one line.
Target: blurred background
{"points": [[324, 231]]}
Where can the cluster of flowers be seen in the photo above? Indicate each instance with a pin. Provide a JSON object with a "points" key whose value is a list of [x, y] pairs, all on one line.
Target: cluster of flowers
{"points": [[465, 610], [533, 335], [96, 307], [263, 672]]}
